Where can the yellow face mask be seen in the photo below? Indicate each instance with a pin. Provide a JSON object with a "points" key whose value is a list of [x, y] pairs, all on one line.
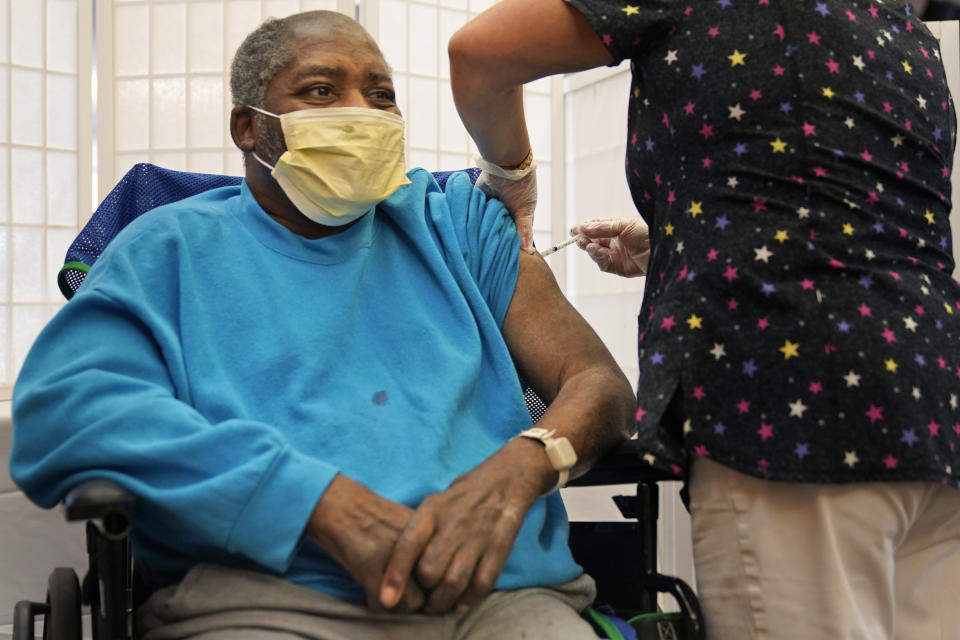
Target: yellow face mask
{"points": [[340, 161]]}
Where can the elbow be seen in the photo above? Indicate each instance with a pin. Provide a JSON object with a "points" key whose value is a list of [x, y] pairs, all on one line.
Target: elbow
{"points": [[623, 404], [628, 404], [460, 52], [471, 66], [462, 59], [27, 471], [620, 404]]}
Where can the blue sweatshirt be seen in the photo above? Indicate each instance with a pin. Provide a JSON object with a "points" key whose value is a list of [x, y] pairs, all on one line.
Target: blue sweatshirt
{"points": [[225, 369]]}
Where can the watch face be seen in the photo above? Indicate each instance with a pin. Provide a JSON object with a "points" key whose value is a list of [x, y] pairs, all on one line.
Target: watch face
{"points": [[559, 450], [561, 454]]}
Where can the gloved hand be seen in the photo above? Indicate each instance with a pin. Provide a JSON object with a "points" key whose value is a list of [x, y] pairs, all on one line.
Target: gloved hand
{"points": [[517, 190], [617, 245]]}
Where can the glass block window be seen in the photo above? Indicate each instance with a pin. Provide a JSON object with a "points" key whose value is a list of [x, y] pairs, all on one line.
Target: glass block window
{"points": [[164, 80], [44, 172]]}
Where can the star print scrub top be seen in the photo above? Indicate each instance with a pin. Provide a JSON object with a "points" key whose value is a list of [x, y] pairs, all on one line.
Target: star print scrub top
{"points": [[792, 159]]}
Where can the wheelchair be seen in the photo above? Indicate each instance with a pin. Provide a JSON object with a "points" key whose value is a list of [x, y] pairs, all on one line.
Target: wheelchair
{"points": [[621, 556]]}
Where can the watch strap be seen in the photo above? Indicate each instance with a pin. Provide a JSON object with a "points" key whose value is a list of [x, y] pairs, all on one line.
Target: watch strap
{"points": [[559, 452]]}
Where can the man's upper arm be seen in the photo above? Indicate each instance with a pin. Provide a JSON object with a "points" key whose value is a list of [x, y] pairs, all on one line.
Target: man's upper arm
{"points": [[487, 241], [548, 339]]}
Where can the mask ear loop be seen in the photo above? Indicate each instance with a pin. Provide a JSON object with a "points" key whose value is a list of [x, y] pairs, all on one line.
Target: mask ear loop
{"points": [[266, 113], [263, 111], [261, 161]]}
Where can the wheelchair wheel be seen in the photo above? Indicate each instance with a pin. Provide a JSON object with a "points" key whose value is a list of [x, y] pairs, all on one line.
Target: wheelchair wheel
{"points": [[62, 621]]}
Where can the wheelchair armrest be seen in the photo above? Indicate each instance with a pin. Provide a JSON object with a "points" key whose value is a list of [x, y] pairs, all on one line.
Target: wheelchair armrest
{"points": [[108, 509], [104, 501], [623, 465]]}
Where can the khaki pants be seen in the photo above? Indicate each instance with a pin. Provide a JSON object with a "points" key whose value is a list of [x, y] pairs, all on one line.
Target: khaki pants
{"points": [[216, 603], [791, 561]]}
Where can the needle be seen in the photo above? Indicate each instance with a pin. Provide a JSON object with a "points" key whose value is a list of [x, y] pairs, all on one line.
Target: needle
{"points": [[563, 244]]}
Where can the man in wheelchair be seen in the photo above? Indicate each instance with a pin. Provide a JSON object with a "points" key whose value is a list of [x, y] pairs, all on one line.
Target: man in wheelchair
{"points": [[309, 382]]}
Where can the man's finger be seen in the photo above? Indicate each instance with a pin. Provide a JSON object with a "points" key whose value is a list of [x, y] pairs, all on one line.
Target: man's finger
{"points": [[455, 581], [489, 566], [435, 559], [484, 577], [413, 599], [405, 554]]}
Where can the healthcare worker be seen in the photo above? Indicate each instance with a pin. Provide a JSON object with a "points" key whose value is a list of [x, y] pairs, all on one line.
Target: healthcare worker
{"points": [[799, 338]]}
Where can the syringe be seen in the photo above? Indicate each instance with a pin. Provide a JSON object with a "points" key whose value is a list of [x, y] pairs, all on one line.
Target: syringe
{"points": [[555, 248]]}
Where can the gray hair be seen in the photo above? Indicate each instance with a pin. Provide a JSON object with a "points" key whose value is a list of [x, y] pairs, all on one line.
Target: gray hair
{"points": [[267, 50]]}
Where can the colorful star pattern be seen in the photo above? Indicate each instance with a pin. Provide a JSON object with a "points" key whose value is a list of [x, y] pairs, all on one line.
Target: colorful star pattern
{"points": [[795, 177]]}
